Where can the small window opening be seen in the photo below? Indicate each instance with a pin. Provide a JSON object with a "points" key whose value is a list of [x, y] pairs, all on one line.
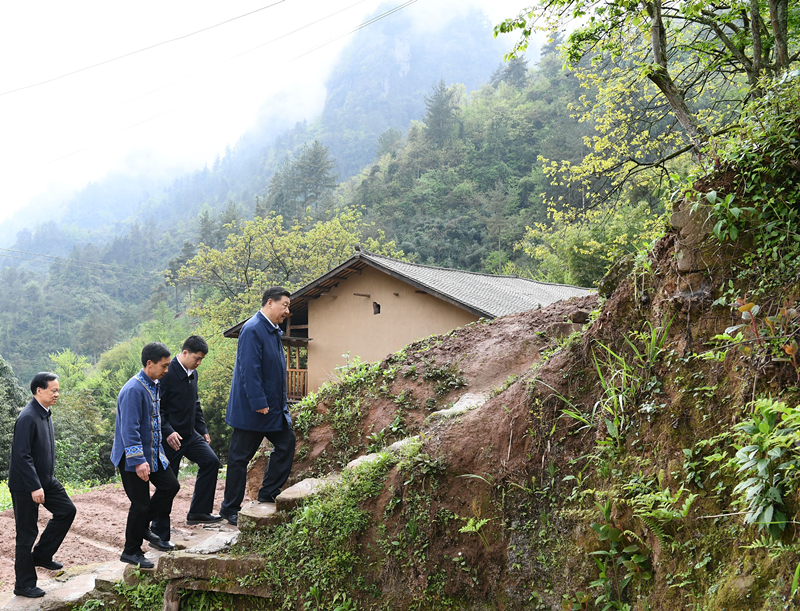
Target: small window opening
{"points": [[376, 307]]}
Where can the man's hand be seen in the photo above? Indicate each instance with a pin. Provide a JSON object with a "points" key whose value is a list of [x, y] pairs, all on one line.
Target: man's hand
{"points": [[38, 496], [174, 441], [263, 411], [143, 471], [207, 437]]}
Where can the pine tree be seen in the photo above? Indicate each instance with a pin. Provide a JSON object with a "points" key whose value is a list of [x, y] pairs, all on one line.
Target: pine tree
{"points": [[314, 175], [442, 109]]}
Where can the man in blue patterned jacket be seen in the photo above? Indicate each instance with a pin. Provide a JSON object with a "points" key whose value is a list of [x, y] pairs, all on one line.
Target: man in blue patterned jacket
{"points": [[138, 454]]}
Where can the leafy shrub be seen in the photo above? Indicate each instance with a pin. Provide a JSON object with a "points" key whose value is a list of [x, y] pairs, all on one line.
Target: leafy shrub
{"points": [[770, 463]]}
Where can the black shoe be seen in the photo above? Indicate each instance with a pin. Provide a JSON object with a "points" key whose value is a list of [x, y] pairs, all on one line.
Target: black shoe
{"points": [[266, 499], [202, 518], [164, 546], [151, 537], [31, 592], [139, 559], [232, 518], [50, 565]]}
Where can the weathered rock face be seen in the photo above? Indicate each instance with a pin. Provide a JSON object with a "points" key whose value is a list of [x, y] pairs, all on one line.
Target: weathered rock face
{"points": [[618, 272]]}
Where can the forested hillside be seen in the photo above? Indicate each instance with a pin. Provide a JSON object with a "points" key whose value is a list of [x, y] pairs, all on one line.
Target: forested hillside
{"points": [[117, 236]]}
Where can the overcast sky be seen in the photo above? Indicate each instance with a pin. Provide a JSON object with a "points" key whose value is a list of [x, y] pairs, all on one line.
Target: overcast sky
{"points": [[176, 105]]}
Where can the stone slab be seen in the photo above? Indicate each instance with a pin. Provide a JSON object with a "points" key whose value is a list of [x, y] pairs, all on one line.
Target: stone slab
{"points": [[259, 516], [295, 495], [465, 403], [220, 542], [397, 446], [366, 458], [213, 572]]}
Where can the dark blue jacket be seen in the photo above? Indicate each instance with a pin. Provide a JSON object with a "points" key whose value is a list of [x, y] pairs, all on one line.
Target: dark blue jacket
{"points": [[33, 453], [259, 379]]}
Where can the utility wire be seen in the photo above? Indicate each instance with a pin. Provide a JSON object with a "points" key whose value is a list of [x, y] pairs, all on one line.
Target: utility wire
{"points": [[158, 44], [192, 101], [105, 267], [190, 76]]}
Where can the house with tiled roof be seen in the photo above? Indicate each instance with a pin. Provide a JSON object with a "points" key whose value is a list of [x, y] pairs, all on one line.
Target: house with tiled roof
{"points": [[372, 305]]}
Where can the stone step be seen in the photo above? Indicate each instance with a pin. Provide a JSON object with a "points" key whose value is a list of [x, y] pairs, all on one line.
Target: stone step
{"points": [[68, 588], [295, 495], [260, 516], [220, 542], [212, 572]]}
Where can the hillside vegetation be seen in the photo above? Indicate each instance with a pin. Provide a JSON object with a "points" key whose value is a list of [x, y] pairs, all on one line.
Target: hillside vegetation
{"points": [[648, 461]]}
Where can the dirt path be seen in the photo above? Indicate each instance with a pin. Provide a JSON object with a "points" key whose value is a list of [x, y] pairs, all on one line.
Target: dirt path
{"points": [[98, 533]]}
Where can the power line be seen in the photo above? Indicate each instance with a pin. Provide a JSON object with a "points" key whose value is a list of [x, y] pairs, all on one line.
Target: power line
{"points": [[87, 265], [190, 76], [158, 44], [192, 101], [105, 267]]}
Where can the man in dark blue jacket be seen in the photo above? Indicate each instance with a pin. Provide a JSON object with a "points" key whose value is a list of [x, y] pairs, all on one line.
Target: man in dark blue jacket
{"points": [[32, 482], [257, 405]]}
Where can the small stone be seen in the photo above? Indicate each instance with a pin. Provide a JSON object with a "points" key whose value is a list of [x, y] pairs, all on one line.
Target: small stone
{"points": [[579, 316], [560, 330]]}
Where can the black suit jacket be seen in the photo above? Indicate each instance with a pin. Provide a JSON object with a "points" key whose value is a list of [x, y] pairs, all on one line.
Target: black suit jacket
{"points": [[33, 450], [180, 406]]}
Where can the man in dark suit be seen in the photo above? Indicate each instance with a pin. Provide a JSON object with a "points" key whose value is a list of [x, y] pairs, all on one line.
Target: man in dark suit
{"points": [[257, 405], [32, 482], [184, 433]]}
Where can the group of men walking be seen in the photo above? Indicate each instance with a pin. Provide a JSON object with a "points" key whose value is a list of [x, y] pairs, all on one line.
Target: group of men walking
{"points": [[159, 421]]}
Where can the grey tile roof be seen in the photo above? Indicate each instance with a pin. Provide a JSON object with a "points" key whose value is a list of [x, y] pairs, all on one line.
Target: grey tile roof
{"points": [[492, 295]]}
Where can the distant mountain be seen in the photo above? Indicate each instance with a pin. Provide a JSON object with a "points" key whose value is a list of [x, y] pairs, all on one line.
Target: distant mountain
{"points": [[377, 84], [118, 234]]}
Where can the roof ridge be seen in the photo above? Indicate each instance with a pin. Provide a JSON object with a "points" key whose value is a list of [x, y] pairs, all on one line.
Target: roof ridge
{"points": [[466, 271]]}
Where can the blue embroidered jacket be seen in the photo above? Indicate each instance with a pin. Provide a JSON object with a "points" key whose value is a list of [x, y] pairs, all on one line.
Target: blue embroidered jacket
{"points": [[137, 431]]}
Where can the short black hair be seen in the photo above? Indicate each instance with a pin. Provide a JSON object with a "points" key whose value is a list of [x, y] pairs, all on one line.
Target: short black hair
{"points": [[195, 344], [42, 380], [275, 293], [154, 351]]}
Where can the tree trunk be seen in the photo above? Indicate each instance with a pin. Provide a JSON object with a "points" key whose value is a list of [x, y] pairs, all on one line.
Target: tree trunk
{"points": [[758, 52], [661, 78], [779, 17]]}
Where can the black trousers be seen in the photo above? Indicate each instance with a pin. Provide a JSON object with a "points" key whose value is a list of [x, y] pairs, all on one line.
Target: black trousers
{"points": [[244, 445], [198, 451], [143, 508], [26, 516]]}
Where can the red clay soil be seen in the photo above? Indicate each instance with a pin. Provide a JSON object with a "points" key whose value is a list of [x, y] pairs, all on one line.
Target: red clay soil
{"points": [[486, 355], [98, 533]]}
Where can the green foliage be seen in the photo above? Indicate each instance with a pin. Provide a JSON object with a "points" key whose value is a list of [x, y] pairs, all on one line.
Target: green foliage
{"points": [[142, 596], [769, 462], [578, 247], [448, 377], [319, 548], [12, 399], [301, 184], [620, 563], [5, 496], [761, 166]]}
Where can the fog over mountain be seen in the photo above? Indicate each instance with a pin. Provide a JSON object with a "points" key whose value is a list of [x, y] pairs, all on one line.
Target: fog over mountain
{"points": [[377, 82]]}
